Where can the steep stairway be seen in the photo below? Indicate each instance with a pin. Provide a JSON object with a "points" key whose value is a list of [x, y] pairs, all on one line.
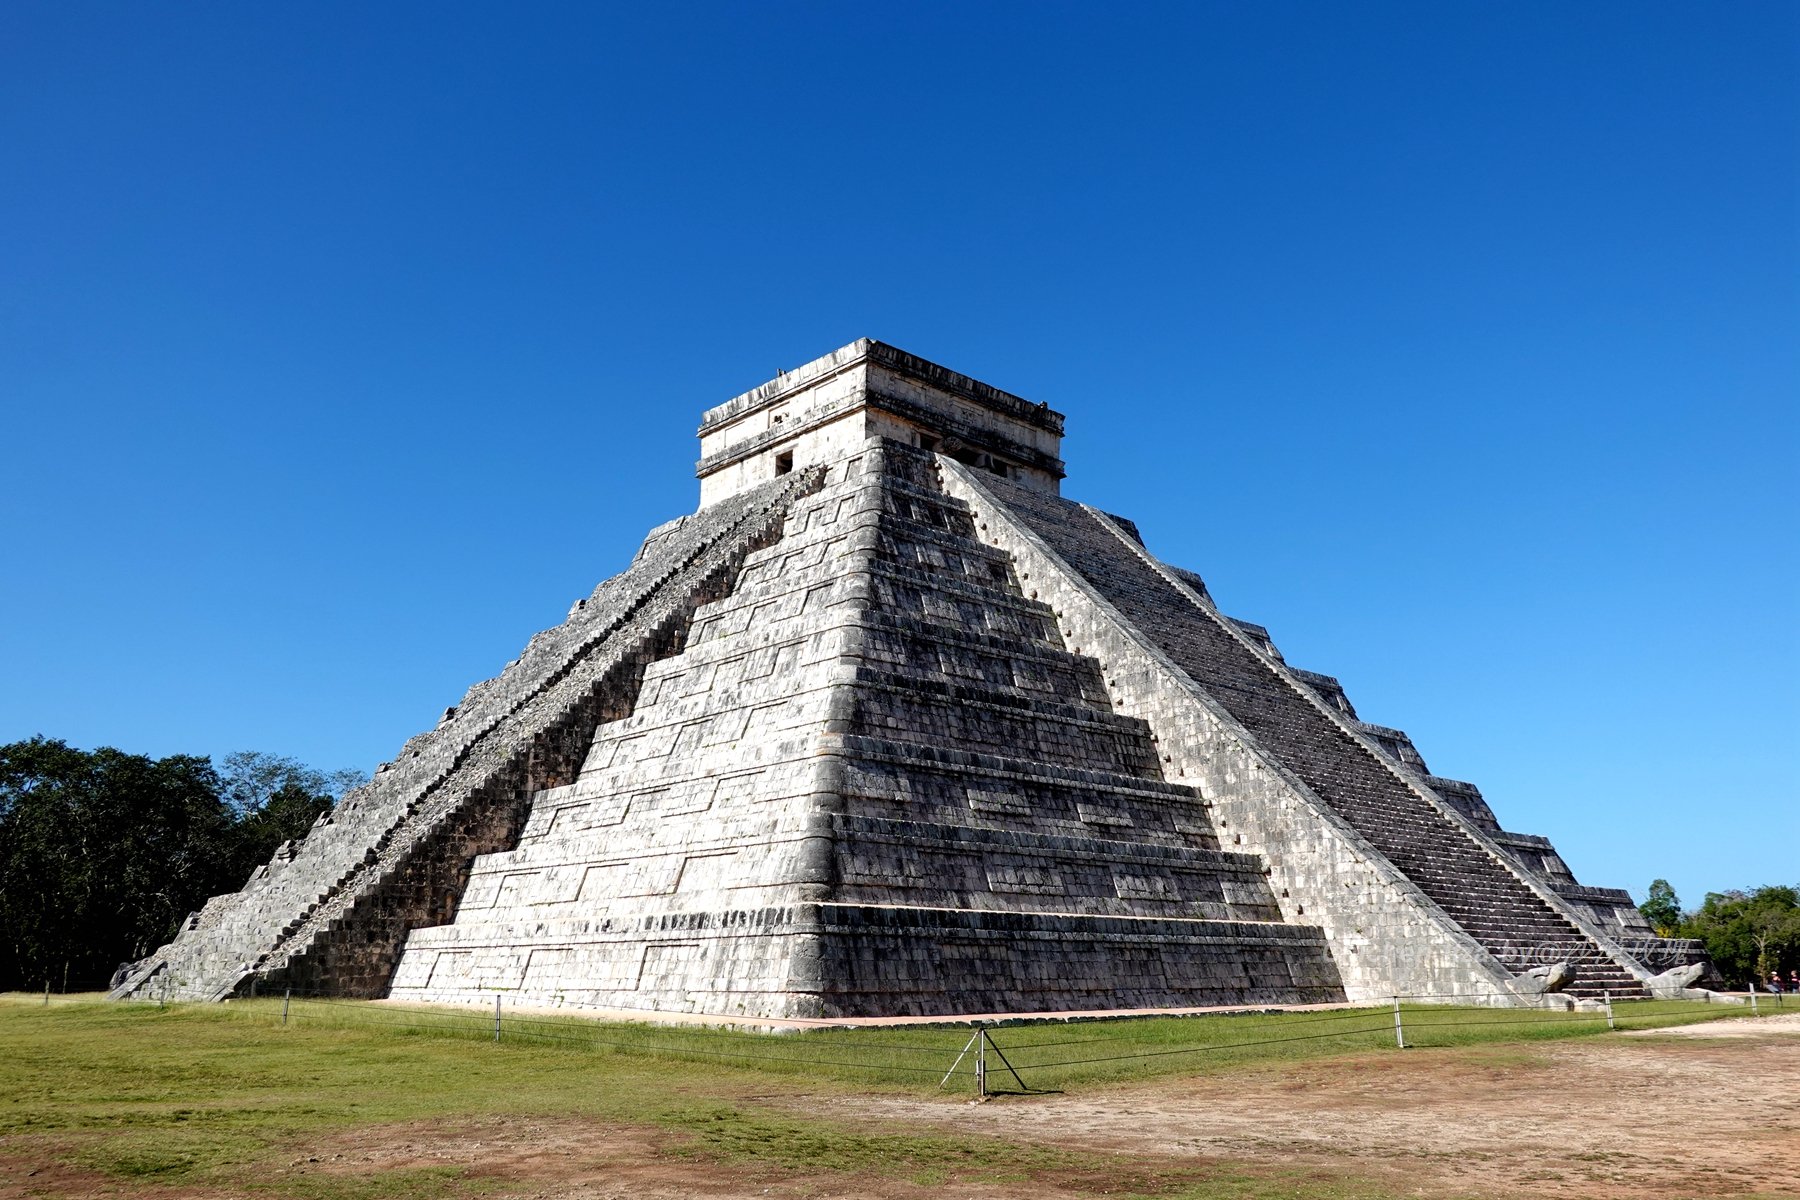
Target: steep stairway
{"points": [[1448, 865]]}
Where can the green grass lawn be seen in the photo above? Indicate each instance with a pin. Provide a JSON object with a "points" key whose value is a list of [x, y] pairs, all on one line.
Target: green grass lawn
{"points": [[194, 1096]]}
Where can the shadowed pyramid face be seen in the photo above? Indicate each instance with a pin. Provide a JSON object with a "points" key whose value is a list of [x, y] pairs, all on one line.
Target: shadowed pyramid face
{"points": [[872, 781]]}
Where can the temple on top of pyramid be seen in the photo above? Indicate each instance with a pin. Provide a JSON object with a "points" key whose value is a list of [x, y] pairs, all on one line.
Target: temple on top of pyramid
{"points": [[890, 727]]}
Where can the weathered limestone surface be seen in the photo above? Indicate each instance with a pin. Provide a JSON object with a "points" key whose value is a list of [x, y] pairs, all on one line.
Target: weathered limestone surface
{"points": [[888, 727]]}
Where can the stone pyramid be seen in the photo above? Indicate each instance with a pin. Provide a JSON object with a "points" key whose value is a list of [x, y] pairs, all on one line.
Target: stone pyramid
{"points": [[889, 727]]}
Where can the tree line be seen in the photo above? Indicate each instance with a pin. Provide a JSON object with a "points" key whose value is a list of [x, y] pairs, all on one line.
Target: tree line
{"points": [[103, 854], [1747, 934]]}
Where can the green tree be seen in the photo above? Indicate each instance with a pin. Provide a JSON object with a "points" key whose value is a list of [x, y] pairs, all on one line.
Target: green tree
{"points": [[275, 799], [1748, 934], [103, 853], [1662, 908]]}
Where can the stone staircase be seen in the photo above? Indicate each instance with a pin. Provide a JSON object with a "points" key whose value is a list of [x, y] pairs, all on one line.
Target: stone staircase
{"points": [[1449, 865]]}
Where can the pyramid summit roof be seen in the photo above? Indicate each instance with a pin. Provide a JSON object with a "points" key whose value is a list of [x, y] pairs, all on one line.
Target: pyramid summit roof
{"points": [[943, 379], [816, 414]]}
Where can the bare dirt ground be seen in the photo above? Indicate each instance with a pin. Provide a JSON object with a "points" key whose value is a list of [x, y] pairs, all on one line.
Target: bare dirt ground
{"points": [[1748, 1027], [1706, 1111], [1713, 1110]]}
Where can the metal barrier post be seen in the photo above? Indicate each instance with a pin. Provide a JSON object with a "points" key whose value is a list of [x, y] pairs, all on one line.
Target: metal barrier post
{"points": [[981, 1063], [496, 1016], [1012, 1069], [46, 993], [1399, 1033], [1753, 1009], [285, 998], [959, 1058], [1609, 1016]]}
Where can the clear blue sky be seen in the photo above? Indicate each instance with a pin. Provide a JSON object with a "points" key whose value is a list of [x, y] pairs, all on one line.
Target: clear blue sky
{"points": [[343, 346]]}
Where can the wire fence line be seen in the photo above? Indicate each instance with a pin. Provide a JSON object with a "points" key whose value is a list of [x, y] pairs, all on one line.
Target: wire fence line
{"points": [[1382, 1029], [1117, 1042]]}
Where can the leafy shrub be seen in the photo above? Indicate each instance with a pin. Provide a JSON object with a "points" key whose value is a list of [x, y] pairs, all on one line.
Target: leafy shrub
{"points": [[1749, 934]]}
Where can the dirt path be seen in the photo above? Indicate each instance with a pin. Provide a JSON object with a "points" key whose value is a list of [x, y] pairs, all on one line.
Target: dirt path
{"points": [[1737, 1027], [1711, 1113]]}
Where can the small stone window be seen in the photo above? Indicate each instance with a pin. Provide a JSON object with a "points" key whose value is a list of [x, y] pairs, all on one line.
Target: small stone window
{"points": [[784, 462]]}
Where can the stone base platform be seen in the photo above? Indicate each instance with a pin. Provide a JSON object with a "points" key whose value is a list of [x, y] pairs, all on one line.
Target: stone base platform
{"points": [[830, 961]]}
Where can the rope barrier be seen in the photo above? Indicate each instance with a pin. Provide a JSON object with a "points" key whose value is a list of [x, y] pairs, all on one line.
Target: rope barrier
{"points": [[1080, 1062], [523, 1028], [524, 1022], [1548, 1019], [766, 1058], [656, 1042]]}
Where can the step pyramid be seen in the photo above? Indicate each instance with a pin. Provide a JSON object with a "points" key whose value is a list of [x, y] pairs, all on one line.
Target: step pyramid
{"points": [[889, 727], [873, 782]]}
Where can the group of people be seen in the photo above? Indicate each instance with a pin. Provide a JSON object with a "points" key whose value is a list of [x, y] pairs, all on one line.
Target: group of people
{"points": [[1776, 986]]}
